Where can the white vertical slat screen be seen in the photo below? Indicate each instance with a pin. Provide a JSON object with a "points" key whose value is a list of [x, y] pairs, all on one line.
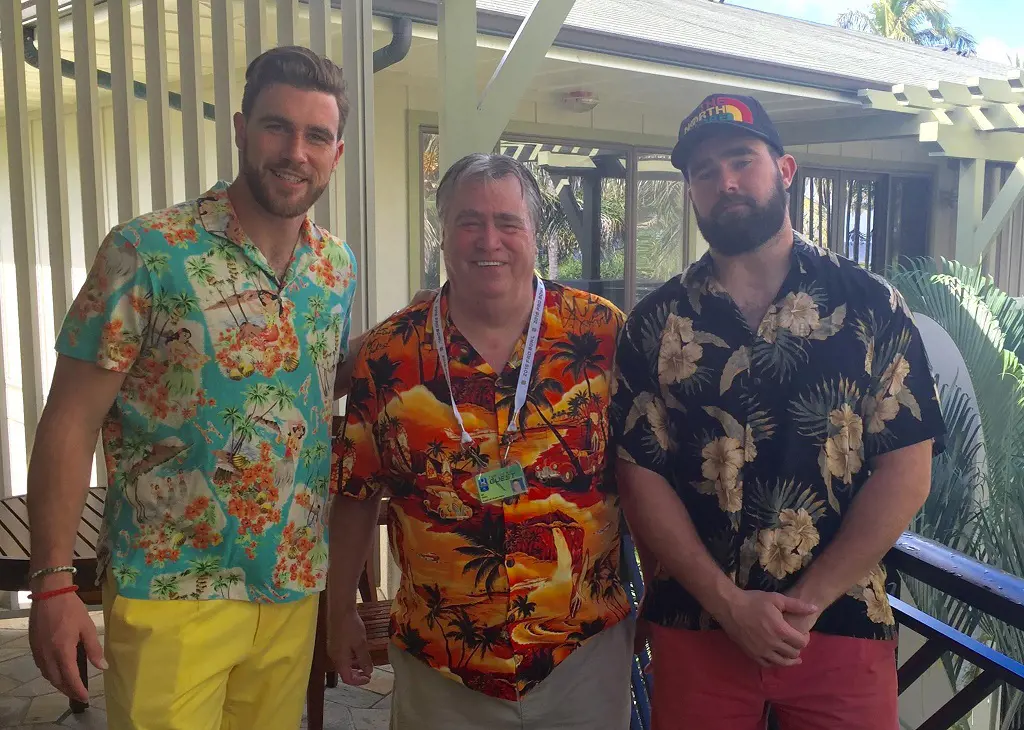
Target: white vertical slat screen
{"points": [[320, 42], [90, 153], [225, 92], [256, 30], [191, 97], [287, 22], [12, 50], [54, 159], [155, 33], [122, 84], [89, 149]]}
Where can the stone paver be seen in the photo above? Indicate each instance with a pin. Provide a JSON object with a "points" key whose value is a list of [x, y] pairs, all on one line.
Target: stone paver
{"points": [[28, 702]]}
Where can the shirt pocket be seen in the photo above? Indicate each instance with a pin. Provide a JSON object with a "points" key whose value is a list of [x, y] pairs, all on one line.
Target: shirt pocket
{"points": [[565, 455]]}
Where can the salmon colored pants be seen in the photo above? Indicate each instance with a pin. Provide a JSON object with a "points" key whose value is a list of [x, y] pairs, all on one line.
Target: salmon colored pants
{"points": [[703, 681]]}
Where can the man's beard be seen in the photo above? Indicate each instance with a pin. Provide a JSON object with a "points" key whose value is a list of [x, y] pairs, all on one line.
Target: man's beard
{"points": [[734, 233], [261, 193]]}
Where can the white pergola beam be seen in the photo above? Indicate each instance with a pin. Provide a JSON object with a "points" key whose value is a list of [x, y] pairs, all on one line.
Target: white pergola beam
{"points": [[970, 208], [886, 101], [456, 47], [945, 141], [999, 91], [516, 70], [955, 94], [471, 122], [1000, 212], [917, 96]]}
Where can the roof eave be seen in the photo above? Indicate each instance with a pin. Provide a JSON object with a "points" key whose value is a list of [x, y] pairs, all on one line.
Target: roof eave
{"points": [[505, 25]]}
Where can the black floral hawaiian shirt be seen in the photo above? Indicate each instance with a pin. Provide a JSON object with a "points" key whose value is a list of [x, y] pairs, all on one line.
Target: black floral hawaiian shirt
{"points": [[767, 437]]}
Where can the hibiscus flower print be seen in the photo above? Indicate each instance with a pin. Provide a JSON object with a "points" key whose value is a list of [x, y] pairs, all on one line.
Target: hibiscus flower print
{"points": [[799, 314], [800, 530], [776, 552], [723, 459], [879, 411], [679, 354], [895, 375], [657, 416]]}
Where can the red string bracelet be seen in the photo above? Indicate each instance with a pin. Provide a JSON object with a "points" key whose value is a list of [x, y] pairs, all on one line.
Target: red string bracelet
{"points": [[52, 594]]}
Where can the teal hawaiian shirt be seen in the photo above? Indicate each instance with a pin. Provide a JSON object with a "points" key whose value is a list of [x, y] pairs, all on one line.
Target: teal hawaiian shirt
{"points": [[218, 444]]}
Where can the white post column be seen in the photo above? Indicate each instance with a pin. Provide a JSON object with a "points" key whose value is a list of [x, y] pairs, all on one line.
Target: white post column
{"points": [[970, 209], [357, 40]]}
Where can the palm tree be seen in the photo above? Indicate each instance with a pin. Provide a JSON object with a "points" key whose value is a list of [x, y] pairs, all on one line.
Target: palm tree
{"points": [[581, 355], [203, 569], [437, 609], [537, 397], [488, 638], [523, 606], [976, 504], [383, 373], [413, 641], [465, 630], [166, 586], [486, 550], [409, 325], [922, 22]]}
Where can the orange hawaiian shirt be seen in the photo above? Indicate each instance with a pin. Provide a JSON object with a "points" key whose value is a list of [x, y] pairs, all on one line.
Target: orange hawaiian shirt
{"points": [[493, 595]]}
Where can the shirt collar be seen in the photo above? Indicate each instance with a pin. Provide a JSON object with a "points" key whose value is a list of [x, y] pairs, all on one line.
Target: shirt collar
{"points": [[217, 215]]}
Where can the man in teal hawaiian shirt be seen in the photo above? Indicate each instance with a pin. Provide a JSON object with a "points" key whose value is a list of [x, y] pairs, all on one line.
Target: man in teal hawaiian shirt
{"points": [[205, 345]]}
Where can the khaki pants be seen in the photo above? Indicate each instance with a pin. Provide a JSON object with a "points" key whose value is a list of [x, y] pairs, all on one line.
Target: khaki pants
{"points": [[588, 691]]}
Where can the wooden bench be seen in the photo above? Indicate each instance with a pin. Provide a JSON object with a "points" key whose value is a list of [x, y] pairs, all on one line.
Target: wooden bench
{"points": [[14, 558], [14, 572]]}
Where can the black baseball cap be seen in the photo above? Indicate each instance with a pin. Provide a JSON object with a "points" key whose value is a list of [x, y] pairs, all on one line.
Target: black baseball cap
{"points": [[723, 111]]}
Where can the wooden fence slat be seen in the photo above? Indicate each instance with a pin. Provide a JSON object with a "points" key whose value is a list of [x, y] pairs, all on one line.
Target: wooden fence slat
{"points": [[12, 50], [154, 17], [191, 97], [224, 88], [122, 84]]}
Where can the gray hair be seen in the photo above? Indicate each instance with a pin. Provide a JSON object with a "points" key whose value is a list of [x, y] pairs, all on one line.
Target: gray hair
{"points": [[480, 166]]}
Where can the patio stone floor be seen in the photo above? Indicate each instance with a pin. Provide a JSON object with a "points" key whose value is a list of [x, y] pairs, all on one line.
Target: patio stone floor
{"points": [[28, 702]]}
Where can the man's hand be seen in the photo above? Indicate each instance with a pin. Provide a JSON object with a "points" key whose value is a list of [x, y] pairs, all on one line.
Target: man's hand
{"points": [[802, 622], [757, 622], [55, 628], [347, 646]]}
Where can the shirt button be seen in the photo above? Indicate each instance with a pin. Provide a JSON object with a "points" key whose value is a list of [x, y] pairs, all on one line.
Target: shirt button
{"points": [[509, 563], [758, 381]]}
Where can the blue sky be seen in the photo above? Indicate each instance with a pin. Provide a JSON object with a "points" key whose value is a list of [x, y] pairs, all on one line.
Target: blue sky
{"points": [[998, 25]]}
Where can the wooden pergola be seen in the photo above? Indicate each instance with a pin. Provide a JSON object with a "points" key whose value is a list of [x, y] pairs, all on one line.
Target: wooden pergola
{"points": [[976, 122]]}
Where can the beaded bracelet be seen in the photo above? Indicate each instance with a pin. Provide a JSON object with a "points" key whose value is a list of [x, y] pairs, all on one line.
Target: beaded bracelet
{"points": [[52, 594], [51, 571]]}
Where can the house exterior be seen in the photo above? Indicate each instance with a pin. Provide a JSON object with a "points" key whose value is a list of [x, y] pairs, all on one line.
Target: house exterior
{"points": [[111, 108]]}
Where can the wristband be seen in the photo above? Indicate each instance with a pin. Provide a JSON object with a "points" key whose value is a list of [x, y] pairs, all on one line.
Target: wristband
{"points": [[52, 594], [51, 571]]}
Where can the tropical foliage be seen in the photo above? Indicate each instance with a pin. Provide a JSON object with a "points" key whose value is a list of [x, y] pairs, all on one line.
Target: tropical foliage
{"points": [[922, 22], [977, 501]]}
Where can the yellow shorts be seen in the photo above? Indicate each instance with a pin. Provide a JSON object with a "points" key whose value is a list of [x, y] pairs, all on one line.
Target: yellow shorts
{"points": [[206, 665]]}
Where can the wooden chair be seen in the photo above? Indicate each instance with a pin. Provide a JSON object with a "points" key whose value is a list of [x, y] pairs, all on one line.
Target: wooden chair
{"points": [[376, 616], [14, 558]]}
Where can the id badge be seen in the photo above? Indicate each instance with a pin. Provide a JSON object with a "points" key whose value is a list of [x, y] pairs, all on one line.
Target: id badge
{"points": [[502, 483]]}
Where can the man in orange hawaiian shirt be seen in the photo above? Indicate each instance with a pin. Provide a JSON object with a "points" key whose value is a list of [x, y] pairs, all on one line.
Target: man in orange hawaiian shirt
{"points": [[483, 415]]}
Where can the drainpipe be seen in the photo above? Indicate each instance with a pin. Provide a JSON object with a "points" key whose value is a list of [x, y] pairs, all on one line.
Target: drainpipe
{"points": [[389, 55], [398, 48]]}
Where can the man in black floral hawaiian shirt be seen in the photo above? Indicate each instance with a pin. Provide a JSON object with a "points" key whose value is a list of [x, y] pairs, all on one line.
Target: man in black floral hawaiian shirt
{"points": [[776, 419]]}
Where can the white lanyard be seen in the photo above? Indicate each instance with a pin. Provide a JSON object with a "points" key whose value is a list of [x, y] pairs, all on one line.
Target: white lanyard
{"points": [[525, 370]]}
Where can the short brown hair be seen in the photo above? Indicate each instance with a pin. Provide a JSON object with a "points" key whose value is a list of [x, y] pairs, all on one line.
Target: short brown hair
{"points": [[299, 67]]}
